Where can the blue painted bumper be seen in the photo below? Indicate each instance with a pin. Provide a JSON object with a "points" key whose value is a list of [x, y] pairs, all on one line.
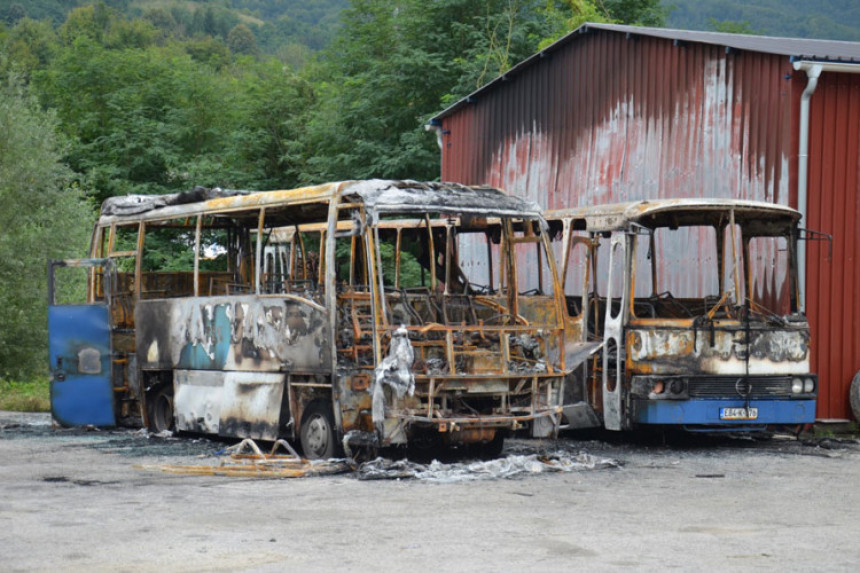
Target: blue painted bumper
{"points": [[692, 412]]}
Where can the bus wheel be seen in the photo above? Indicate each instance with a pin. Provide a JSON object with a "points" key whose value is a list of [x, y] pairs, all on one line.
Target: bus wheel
{"points": [[317, 433], [854, 396], [161, 411]]}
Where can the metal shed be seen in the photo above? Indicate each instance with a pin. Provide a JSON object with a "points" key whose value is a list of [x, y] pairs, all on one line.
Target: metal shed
{"points": [[618, 113]]}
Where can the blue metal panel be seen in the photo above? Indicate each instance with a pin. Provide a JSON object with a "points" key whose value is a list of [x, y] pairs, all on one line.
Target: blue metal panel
{"points": [[708, 412], [80, 355]]}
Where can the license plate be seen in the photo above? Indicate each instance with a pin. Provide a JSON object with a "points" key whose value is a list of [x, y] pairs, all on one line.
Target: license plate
{"points": [[738, 413]]}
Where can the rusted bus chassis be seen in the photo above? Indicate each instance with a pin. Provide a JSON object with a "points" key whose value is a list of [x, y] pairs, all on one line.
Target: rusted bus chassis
{"points": [[382, 312], [694, 304]]}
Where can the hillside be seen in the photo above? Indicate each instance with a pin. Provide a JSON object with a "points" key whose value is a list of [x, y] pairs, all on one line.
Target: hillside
{"points": [[279, 25], [823, 19]]}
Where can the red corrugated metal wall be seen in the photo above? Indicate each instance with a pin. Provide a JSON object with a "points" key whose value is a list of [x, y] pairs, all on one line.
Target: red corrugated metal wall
{"points": [[608, 118], [611, 118], [833, 285]]}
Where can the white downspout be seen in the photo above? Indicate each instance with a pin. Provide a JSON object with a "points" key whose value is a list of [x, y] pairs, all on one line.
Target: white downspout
{"points": [[813, 71]]}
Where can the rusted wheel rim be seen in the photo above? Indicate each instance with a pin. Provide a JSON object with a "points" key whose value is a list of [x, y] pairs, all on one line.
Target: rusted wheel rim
{"points": [[318, 435]]}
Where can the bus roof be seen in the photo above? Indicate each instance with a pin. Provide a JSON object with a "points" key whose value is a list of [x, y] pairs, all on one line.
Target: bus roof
{"points": [[297, 205], [757, 216]]}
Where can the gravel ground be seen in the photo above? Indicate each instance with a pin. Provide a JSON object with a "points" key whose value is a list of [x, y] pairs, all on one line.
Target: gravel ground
{"points": [[81, 500]]}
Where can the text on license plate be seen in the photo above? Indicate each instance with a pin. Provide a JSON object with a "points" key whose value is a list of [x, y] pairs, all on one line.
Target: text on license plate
{"points": [[738, 413]]}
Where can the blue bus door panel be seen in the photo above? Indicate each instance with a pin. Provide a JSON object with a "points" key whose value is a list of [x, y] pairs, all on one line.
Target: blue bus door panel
{"points": [[80, 355]]}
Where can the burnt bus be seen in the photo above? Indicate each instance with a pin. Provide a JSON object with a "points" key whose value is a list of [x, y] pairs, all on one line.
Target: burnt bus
{"points": [[394, 313], [691, 308]]}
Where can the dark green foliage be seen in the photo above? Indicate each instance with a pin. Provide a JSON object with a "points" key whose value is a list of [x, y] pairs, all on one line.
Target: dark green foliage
{"points": [[824, 19], [41, 217], [241, 40], [637, 12], [395, 64], [729, 27]]}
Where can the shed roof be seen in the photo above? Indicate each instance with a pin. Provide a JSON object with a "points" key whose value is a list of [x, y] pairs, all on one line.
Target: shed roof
{"points": [[793, 48]]}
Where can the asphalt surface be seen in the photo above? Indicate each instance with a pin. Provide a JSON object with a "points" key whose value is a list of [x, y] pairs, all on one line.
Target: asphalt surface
{"points": [[79, 500]]}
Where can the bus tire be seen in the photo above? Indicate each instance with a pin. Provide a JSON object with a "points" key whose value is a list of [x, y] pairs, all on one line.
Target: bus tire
{"points": [[317, 433], [854, 396], [160, 408]]}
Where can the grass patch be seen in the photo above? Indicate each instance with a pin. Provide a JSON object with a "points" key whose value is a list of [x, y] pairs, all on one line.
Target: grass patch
{"points": [[29, 396]]}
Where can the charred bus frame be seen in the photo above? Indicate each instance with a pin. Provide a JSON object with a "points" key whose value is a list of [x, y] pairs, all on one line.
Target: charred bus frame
{"points": [[337, 344], [728, 349]]}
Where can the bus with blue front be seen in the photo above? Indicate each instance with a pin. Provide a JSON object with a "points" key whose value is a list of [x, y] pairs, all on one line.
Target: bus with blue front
{"points": [[692, 310]]}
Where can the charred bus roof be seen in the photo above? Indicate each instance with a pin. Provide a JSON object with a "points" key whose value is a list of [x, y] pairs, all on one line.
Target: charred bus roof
{"points": [[309, 204], [760, 218]]}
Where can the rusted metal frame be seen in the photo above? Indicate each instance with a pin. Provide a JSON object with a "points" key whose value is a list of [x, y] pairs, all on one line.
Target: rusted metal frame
{"points": [[304, 252], [352, 247], [793, 286], [397, 261], [321, 265], [310, 385], [330, 294], [540, 256], [630, 270], [585, 309], [432, 253], [557, 289], [96, 243], [449, 351], [377, 295], [652, 248], [511, 264], [483, 420], [111, 239], [566, 249], [293, 403], [227, 206], [292, 269], [258, 254], [197, 230], [138, 263], [431, 395], [491, 279], [745, 253], [449, 255], [721, 256], [734, 256]]}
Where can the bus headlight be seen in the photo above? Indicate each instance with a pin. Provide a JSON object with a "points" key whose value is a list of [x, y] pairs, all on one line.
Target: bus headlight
{"points": [[808, 385], [796, 385]]}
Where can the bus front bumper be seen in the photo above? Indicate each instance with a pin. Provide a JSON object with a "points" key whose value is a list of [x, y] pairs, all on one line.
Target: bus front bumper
{"points": [[723, 412]]}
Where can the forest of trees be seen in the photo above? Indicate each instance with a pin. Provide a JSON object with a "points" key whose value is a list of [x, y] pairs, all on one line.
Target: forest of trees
{"points": [[131, 96], [822, 19], [153, 96]]}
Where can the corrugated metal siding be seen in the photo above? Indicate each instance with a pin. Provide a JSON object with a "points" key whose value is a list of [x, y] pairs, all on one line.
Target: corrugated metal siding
{"points": [[833, 284], [613, 118], [616, 119]]}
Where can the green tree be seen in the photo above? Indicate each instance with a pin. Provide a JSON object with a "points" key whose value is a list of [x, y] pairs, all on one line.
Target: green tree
{"points": [[636, 12], [731, 27], [394, 64], [41, 217], [31, 44], [241, 40]]}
